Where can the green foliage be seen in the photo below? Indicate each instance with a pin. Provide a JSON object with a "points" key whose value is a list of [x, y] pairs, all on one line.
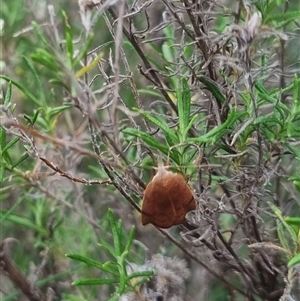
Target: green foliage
{"points": [[288, 230], [6, 162], [284, 121], [118, 267], [75, 108]]}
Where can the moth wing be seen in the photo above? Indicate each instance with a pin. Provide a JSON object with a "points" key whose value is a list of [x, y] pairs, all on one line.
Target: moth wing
{"points": [[157, 207], [182, 198]]}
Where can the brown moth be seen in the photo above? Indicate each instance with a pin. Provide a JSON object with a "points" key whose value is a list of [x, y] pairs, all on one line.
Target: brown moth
{"points": [[167, 199]]}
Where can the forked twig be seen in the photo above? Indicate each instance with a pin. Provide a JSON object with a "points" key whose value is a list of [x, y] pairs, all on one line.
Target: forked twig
{"points": [[17, 277]]}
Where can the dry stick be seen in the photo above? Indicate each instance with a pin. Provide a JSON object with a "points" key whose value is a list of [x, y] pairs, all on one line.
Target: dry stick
{"points": [[118, 40], [129, 73], [134, 43], [130, 36], [46, 254], [189, 32], [17, 277], [282, 54], [133, 88], [70, 177], [50, 294], [108, 171], [257, 264], [233, 254], [96, 124], [192, 256], [201, 43], [216, 103], [82, 151], [63, 143], [123, 157], [246, 59]]}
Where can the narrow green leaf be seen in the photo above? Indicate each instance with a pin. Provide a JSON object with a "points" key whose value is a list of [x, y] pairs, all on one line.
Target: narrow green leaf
{"points": [[297, 185], [292, 130], [35, 116], [42, 122], [108, 249], [289, 229], [111, 264], [218, 131], [264, 98], [120, 233], [94, 281], [286, 17], [259, 86], [268, 120], [269, 132], [278, 213], [293, 221], [22, 88], [8, 94], [38, 32], [45, 59], [122, 272], [93, 263], [295, 260], [115, 233], [57, 110], [281, 235], [69, 39], [37, 81], [283, 111], [22, 221], [152, 142], [153, 47], [263, 66], [168, 54], [84, 50], [59, 83], [141, 274], [7, 158], [10, 144], [43, 62], [169, 33], [192, 121], [1, 172], [23, 158], [157, 63], [2, 139], [130, 239], [296, 117], [296, 98], [213, 88], [264, 94], [171, 137], [11, 209], [90, 66], [286, 89], [151, 93], [184, 108]]}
